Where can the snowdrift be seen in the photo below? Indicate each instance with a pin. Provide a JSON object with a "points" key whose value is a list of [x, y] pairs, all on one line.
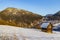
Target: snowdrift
{"points": [[17, 33]]}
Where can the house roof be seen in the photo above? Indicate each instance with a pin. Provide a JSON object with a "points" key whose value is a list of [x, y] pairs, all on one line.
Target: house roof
{"points": [[44, 25]]}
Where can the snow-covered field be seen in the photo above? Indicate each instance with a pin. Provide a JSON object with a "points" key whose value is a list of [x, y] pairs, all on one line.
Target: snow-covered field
{"points": [[16, 33]]}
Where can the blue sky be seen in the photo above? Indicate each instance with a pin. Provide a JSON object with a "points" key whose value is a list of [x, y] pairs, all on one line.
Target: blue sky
{"points": [[41, 7]]}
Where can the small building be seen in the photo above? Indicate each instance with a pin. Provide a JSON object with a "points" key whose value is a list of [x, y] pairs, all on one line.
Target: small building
{"points": [[46, 27]]}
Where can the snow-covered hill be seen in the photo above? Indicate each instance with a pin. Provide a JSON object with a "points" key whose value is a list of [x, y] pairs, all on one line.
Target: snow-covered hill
{"points": [[16, 33]]}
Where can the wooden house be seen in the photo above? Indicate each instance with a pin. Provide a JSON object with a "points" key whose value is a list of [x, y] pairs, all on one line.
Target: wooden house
{"points": [[46, 27]]}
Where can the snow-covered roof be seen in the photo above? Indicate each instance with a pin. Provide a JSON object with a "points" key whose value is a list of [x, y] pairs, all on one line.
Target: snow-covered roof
{"points": [[44, 25]]}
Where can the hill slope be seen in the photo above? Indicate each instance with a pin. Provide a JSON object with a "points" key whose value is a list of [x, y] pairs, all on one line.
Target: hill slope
{"points": [[19, 17], [55, 16]]}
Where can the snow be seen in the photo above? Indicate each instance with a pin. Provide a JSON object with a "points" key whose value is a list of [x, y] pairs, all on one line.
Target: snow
{"points": [[44, 25], [17, 33], [56, 26]]}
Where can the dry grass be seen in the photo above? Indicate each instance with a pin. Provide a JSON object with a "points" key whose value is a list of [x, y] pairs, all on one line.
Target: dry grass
{"points": [[3, 22]]}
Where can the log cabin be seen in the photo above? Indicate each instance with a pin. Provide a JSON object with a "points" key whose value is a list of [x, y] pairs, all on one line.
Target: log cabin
{"points": [[46, 27]]}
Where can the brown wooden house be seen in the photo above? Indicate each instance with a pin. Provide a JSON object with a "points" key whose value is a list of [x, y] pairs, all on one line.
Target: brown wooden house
{"points": [[46, 27]]}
